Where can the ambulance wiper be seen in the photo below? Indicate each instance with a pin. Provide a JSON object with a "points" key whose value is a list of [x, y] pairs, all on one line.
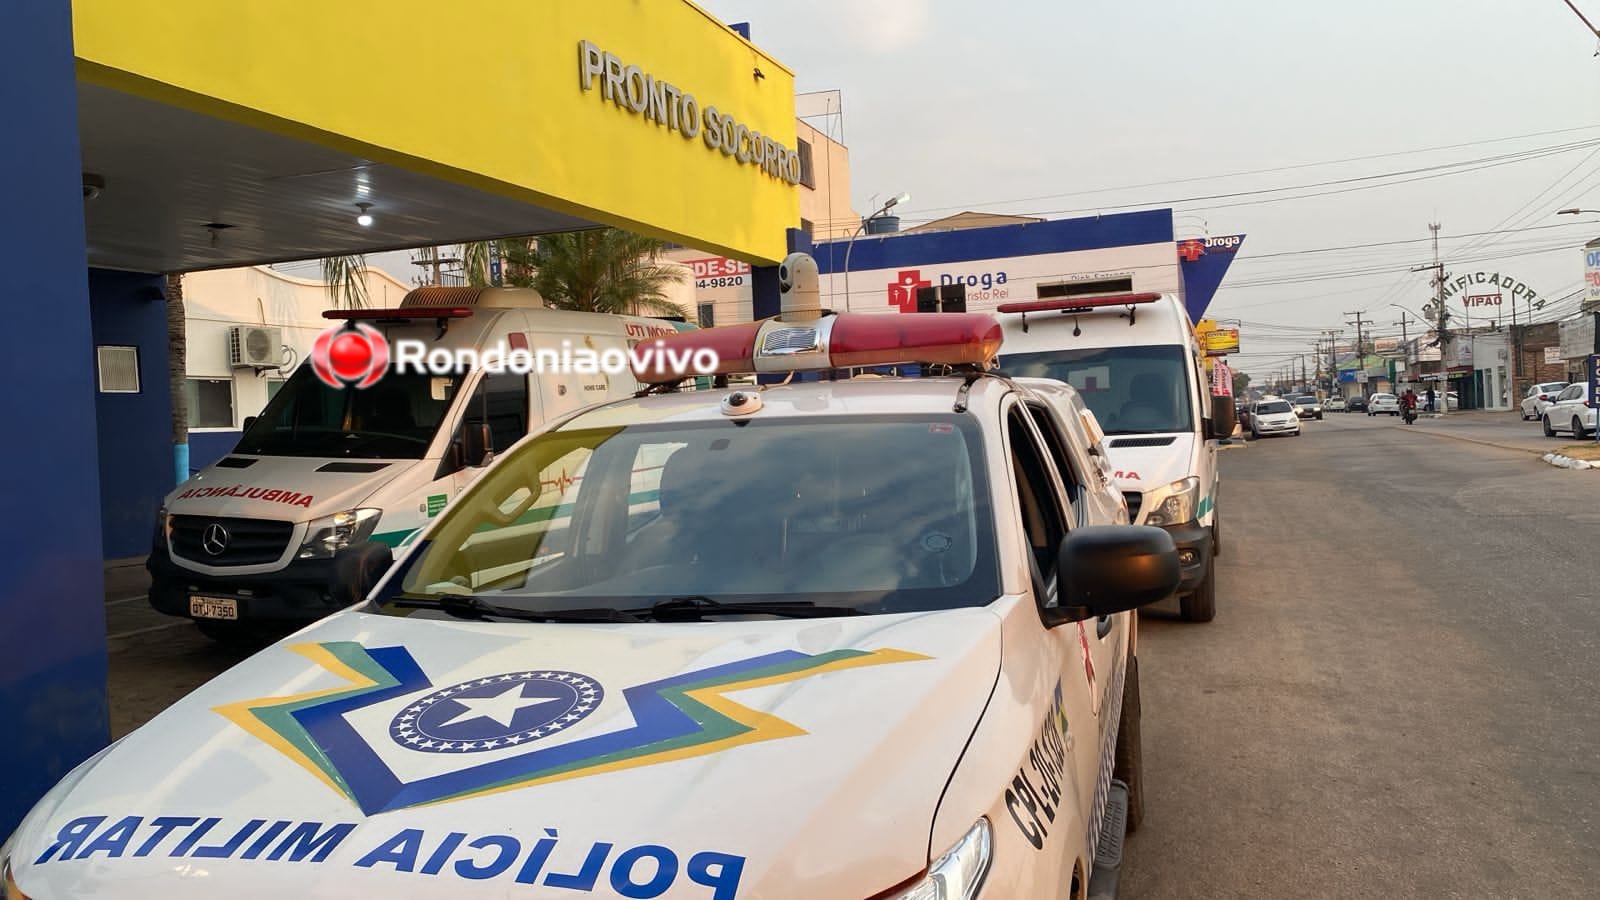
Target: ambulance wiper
{"points": [[468, 606], [696, 608]]}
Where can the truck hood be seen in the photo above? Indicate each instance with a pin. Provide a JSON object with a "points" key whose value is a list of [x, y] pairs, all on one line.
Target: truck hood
{"points": [[719, 759], [294, 488], [1138, 464]]}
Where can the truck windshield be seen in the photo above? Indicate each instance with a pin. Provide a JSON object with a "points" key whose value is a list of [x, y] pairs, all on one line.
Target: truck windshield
{"points": [[394, 419], [877, 514], [1132, 390]]}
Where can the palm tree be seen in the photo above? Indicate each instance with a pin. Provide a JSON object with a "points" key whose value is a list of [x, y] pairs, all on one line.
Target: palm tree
{"points": [[346, 284], [177, 375], [601, 270]]}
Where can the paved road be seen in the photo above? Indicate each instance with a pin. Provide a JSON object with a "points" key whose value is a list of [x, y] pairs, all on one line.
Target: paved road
{"points": [[1498, 428], [1398, 696]]}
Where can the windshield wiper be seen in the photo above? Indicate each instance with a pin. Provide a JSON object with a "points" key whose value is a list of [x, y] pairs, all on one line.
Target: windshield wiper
{"points": [[695, 608], [469, 606]]}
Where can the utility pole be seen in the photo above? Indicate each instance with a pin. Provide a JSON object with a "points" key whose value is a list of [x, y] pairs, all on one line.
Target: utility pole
{"points": [[1441, 317], [1361, 350]]}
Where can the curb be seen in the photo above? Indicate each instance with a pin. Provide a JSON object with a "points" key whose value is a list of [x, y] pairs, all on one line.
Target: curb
{"points": [[1457, 437], [1567, 462]]}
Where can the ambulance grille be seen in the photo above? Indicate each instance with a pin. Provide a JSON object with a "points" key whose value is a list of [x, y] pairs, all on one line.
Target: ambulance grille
{"points": [[249, 542], [1135, 500]]}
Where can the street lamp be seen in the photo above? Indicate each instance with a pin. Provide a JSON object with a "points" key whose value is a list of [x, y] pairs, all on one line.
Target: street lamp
{"points": [[883, 210], [1575, 211]]}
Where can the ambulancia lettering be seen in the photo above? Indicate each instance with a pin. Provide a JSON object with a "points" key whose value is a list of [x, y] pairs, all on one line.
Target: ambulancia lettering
{"points": [[271, 495], [1126, 476]]}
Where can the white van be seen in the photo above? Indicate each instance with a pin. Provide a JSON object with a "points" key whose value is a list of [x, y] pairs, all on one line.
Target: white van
{"points": [[1138, 364], [255, 542]]}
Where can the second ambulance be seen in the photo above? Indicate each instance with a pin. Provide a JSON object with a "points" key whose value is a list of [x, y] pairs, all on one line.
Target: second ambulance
{"points": [[1136, 361], [867, 638], [258, 542]]}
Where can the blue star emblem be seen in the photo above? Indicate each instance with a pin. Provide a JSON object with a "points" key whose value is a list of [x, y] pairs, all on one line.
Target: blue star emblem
{"points": [[496, 712]]}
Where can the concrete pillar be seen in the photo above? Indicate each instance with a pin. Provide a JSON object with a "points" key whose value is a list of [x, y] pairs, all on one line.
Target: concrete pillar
{"points": [[52, 612]]}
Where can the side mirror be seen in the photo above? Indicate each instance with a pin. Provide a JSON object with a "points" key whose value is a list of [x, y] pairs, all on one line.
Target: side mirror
{"points": [[477, 445], [359, 569], [1106, 569], [1224, 418], [248, 421]]}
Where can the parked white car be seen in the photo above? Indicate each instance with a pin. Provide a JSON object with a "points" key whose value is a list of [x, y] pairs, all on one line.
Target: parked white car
{"points": [[1383, 403], [1274, 417], [1571, 411], [1539, 398]]}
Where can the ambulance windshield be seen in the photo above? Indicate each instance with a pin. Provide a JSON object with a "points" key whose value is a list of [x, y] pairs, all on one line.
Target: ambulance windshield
{"points": [[394, 419], [863, 514], [1132, 390]]}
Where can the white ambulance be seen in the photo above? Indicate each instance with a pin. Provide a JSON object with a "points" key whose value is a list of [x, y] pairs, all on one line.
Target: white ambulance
{"points": [[1136, 361], [255, 542], [842, 639]]}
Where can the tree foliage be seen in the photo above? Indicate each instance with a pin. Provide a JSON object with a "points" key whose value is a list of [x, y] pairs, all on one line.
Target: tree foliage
{"points": [[346, 285], [600, 270]]}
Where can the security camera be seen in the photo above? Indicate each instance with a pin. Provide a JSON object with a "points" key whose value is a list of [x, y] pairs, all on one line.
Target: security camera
{"points": [[741, 403], [799, 288]]}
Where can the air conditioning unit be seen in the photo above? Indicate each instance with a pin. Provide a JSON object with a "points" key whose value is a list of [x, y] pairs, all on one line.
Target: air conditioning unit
{"points": [[255, 347]]}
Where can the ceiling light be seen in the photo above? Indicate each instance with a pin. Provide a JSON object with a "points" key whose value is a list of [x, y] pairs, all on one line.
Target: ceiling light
{"points": [[365, 218]]}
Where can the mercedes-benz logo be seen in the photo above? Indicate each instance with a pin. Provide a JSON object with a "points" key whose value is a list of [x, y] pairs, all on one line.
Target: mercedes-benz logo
{"points": [[214, 539]]}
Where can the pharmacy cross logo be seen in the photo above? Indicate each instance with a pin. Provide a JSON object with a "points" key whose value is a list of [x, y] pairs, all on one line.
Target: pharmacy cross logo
{"points": [[903, 290], [356, 355], [1191, 250]]}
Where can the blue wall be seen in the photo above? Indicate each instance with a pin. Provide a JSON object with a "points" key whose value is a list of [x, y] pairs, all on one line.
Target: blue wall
{"points": [[52, 608], [128, 308], [206, 447]]}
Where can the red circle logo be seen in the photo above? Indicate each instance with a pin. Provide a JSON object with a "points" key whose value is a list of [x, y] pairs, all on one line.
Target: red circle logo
{"points": [[354, 356]]}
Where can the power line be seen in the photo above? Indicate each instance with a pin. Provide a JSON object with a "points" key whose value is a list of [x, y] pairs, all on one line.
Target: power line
{"points": [[1422, 174], [1310, 165]]}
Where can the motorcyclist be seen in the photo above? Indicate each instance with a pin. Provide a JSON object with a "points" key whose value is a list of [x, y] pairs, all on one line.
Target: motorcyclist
{"points": [[1408, 405]]}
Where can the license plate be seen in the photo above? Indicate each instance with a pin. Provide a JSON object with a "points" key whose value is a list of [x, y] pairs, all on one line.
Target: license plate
{"points": [[213, 607]]}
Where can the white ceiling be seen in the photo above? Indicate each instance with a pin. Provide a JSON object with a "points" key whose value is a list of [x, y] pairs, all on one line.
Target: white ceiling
{"points": [[169, 173]]}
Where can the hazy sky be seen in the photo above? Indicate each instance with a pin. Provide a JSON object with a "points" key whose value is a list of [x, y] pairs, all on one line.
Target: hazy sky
{"points": [[967, 104]]}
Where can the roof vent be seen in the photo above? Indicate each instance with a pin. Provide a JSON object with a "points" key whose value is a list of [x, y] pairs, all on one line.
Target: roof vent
{"points": [[486, 297]]}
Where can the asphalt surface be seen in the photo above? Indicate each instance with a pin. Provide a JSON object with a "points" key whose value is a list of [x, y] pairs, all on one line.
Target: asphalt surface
{"points": [[1398, 695]]}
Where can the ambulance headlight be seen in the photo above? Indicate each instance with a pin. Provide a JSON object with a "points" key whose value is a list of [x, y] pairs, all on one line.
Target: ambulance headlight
{"points": [[331, 534], [1175, 503], [8, 886], [960, 872]]}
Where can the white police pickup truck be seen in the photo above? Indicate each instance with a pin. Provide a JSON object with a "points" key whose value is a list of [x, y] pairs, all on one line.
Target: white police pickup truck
{"points": [[843, 639]]}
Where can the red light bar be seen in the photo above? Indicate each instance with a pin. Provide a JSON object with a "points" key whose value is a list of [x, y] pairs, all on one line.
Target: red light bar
{"points": [[1061, 303], [950, 339], [399, 315], [733, 344], [844, 341]]}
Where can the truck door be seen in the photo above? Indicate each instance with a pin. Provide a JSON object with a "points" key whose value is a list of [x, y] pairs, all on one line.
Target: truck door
{"points": [[1097, 641], [1081, 652]]}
